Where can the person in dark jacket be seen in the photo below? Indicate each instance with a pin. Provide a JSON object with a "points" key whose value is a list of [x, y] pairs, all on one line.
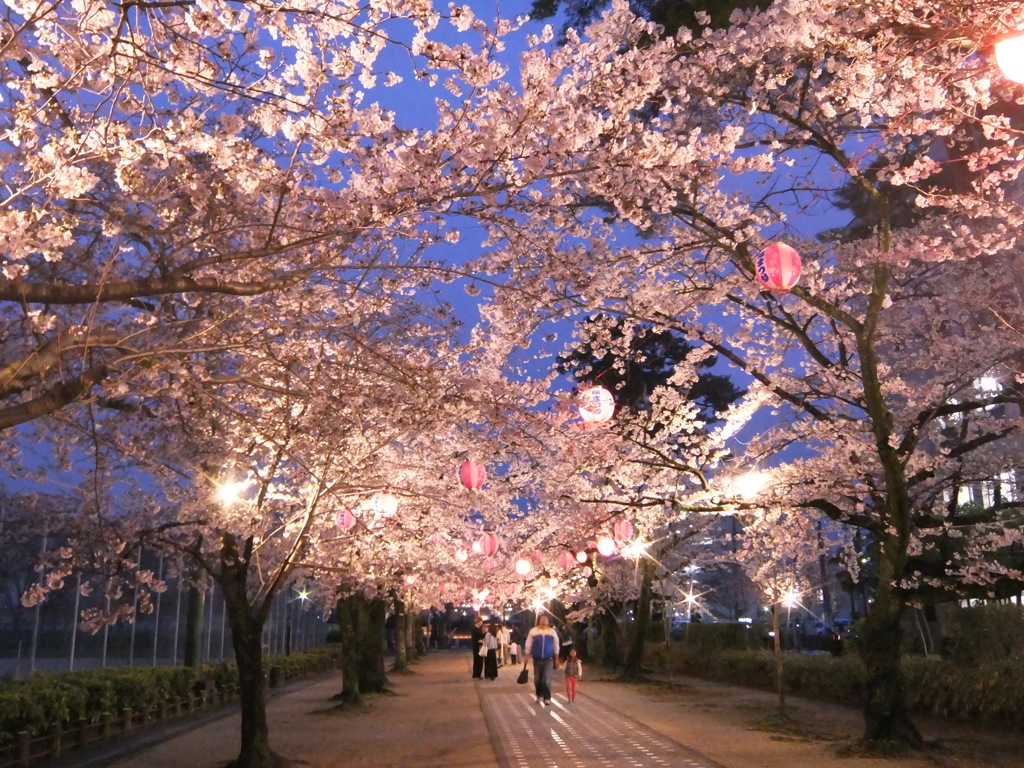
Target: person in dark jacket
{"points": [[476, 639]]}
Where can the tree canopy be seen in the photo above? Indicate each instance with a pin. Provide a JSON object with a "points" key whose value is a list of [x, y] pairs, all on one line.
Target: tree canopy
{"points": [[235, 238]]}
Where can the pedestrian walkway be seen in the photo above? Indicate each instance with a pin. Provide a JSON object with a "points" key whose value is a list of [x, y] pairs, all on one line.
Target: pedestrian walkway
{"points": [[578, 735], [438, 717]]}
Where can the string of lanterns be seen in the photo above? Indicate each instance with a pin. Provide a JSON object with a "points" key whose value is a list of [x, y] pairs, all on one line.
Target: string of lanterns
{"points": [[473, 475]]}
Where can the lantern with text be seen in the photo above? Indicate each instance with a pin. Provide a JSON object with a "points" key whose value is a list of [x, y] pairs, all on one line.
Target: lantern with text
{"points": [[567, 560], [1010, 57], [489, 544], [623, 530], [472, 474], [605, 546], [523, 567], [385, 504], [777, 267], [596, 405], [345, 519]]}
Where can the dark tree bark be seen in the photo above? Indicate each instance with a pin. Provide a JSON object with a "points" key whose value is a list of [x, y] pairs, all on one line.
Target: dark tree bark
{"points": [[350, 625], [194, 622], [610, 653], [412, 650], [362, 646], [633, 669], [372, 675], [887, 717], [247, 638], [401, 648]]}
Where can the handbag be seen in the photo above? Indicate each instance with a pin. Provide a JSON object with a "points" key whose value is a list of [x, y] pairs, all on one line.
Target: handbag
{"points": [[524, 677], [483, 651]]}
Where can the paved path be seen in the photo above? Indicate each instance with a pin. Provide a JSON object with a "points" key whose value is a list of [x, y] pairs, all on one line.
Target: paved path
{"points": [[584, 734], [437, 717]]}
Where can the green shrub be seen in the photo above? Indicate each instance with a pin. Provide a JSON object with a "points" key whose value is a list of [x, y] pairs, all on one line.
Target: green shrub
{"points": [[986, 633], [722, 636], [35, 703], [993, 691]]}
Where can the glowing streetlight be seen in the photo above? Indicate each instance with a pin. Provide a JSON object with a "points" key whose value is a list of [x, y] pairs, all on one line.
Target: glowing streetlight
{"points": [[750, 485], [635, 549], [230, 492], [791, 599], [1010, 57]]}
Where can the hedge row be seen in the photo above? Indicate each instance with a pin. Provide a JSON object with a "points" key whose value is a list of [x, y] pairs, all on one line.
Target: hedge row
{"points": [[36, 702], [991, 691]]}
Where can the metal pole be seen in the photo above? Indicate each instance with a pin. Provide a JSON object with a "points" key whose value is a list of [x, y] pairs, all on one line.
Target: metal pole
{"points": [[106, 628], [35, 621], [209, 620], [156, 621], [135, 613], [177, 620], [223, 626], [74, 622], [282, 621]]}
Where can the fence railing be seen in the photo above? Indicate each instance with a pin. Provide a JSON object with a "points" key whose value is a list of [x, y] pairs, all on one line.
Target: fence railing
{"points": [[29, 750]]}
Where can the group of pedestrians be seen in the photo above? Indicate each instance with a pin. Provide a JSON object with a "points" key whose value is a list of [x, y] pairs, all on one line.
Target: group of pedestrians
{"points": [[497, 645], [494, 645]]}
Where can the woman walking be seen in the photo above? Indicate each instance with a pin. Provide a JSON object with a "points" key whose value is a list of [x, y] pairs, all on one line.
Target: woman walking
{"points": [[492, 642]]}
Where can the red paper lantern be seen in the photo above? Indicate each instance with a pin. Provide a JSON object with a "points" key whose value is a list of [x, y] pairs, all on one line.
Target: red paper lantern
{"points": [[567, 560], [385, 503], [473, 474], [777, 267], [623, 530], [489, 544], [537, 556], [596, 405], [345, 519], [605, 546], [489, 564]]}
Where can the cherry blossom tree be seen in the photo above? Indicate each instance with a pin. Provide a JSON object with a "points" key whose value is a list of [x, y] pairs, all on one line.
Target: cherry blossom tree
{"points": [[207, 209], [753, 126]]}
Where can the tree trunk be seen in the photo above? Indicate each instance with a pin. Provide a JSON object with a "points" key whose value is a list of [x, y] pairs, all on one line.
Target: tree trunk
{"points": [[247, 638], [372, 675], [412, 652], [401, 648], [609, 639], [780, 686], [351, 646], [886, 715], [195, 612], [633, 669]]}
